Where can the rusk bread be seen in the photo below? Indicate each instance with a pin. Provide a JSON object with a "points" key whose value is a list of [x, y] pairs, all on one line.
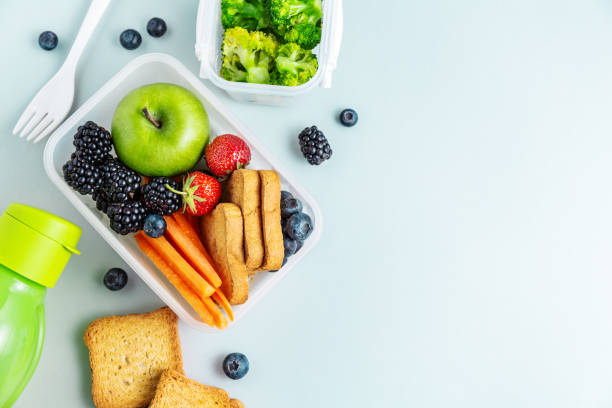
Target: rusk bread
{"points": [[177, 391], [244, 191], [128, 354], [274, 250], [222, 233]]}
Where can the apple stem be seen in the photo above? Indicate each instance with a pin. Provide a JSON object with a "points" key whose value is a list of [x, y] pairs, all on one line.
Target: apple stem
{"points": [[153, 121]]}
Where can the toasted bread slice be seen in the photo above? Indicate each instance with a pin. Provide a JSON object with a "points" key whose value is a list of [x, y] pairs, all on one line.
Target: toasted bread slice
{"points": [[274, 250], [243, 190], [223, 236], [234, 403], [177, 391], [128, 354]]}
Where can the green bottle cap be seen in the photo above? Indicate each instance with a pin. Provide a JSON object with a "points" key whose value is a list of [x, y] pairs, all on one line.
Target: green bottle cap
{"points": [[36, 244]]}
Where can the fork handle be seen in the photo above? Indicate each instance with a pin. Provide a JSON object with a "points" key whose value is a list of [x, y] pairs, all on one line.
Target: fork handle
{"points": [[92, 18]]}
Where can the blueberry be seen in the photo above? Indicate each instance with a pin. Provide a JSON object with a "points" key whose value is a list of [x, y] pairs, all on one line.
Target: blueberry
{"points": [[349, 117], [154, 226], [115, 279], [130, 39], [299, 226], [290, 246], [290, 206], [47, 40], [300, 244], [285, 195], [283, 224], [156, 27], [236, 365]]}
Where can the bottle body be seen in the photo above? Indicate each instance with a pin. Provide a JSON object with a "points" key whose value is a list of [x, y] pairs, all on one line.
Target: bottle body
{"points": [[22, 328]]}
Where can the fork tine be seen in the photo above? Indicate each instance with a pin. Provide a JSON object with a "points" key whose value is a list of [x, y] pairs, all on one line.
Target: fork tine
{"points": [[42, 126], [27, 114], [52, 126], [38, 116]]}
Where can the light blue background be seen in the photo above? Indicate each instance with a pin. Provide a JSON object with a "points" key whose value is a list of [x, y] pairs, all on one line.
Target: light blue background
{"points": [[467, 252]]}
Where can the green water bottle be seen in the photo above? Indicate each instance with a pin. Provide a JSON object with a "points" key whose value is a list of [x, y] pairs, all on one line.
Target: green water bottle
{"points": [[34, 249]]}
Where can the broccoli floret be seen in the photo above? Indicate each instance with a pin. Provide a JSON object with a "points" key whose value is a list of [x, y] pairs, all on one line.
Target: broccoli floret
{"points": [[249, 14], [248, 56], [294, 65], [297, 21]]}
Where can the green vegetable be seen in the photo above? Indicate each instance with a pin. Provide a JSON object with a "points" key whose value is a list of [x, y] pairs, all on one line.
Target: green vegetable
{"points": [[294, 65], [297, 21], [249, 14], [248, 56]]}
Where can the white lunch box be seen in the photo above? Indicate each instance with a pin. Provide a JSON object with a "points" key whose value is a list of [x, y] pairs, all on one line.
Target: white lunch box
{"points": [[209, 38], [146, 69]]}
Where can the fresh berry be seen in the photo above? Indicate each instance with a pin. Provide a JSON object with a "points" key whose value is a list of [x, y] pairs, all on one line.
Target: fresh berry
{"points": [[159, 198], [285, 195], [120, 183], [130, 39], [47, 40], [236, 365], [284, 262], [156, 27], [290, 245], [314, 145], [93, 142], [227, 153], [115, 279], [349, 117], [102, 201], [299, 226], [201, 193], [290, 206], [126, 217], [299, 246], [154, 226], [283, 224], [82, 175]]}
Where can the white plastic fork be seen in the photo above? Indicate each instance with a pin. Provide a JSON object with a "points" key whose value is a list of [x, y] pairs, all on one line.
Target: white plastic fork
{"points": [[52, 103]]}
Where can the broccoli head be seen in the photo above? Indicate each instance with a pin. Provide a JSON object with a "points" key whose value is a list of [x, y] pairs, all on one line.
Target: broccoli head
{"points": [[297, 21], [249, 14], [248, 56], [294, 65]]}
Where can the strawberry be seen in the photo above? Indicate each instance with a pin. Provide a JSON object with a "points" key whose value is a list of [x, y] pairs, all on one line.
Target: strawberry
{"points": [[201, 193], [227, 153]]}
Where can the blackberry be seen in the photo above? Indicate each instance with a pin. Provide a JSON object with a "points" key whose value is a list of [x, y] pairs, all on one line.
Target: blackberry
{"points": [[120, 183], [93, 142], [126, 217], [102, 201], [314, 145], [159, 199], [82, 175]]}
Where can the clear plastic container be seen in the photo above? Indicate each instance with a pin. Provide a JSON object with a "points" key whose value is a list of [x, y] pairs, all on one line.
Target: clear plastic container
{"points": [[146, 69], [209, 33]]}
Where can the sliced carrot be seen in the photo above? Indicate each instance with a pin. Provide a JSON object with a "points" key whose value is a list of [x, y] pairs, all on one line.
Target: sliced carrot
{"points": [[224, 303], [179, 265], [185, 291], [220, 320], [195, 222], [192, 252], [182, 221]]}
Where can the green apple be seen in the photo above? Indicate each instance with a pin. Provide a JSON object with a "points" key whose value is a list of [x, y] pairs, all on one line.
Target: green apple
{"points": [[160, 130]]}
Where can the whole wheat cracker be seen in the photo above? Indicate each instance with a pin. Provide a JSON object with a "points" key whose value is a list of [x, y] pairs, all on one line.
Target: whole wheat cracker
{"points": [[243, 189], [174, 390], [222, 234], [128, 354]]}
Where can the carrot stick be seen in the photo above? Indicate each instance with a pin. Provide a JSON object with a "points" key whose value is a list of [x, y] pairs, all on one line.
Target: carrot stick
{"points": [[179, 265], [222, 301], [220, 320], [191, 298], [194, 222], [182, 221], [192, 252]]}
